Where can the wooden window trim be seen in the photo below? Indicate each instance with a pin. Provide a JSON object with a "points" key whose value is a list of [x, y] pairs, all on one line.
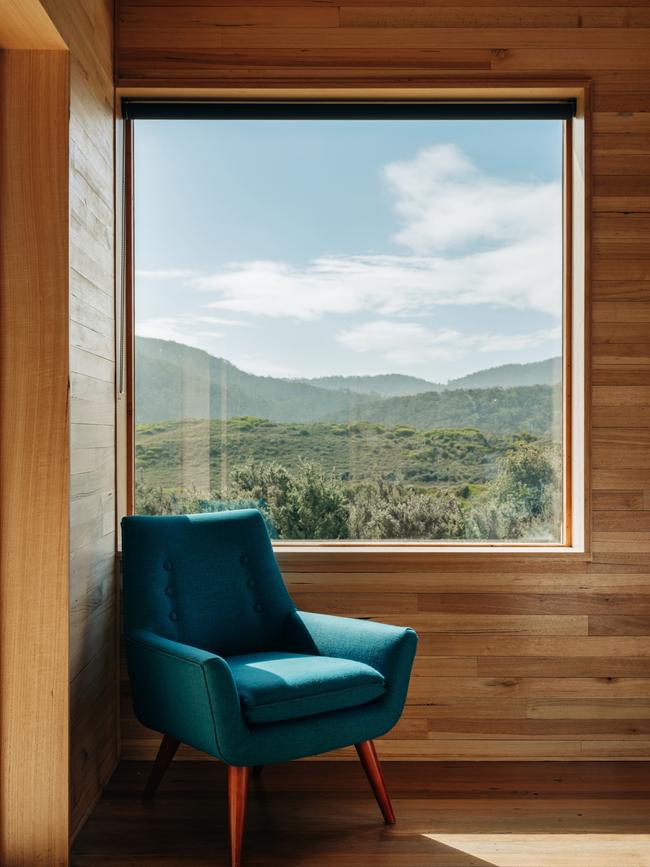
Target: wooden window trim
{"points": [[316, 555], [129, 314]]}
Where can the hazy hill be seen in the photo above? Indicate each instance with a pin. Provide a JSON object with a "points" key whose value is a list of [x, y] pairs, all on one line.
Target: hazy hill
{"points": [[174, 382], [383, 384], [497, 410], [547, 372]]}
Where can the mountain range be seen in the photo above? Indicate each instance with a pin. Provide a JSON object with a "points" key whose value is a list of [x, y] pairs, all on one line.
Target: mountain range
{"points": [[175, 381], [547, 372]]}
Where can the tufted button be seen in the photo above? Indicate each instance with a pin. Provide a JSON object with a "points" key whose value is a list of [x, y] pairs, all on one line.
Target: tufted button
{"points": [[250, 583], [257, 608], [173, 616], [169, 591], [243, 559], [167, 565]]}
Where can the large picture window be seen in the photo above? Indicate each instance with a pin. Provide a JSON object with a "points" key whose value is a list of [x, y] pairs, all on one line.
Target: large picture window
{"points": [[356, 324]]}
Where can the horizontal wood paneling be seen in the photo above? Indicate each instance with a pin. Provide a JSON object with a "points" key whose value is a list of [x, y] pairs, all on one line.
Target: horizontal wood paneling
{"points": [[519, 657]]}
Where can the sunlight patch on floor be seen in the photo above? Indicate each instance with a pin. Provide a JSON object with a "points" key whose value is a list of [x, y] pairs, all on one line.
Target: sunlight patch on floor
{"points": [[552, 850]]}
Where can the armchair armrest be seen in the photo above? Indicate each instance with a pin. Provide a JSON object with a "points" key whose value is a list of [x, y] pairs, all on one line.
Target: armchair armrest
{"points": [[144, 638], [389, 649], [183, 691]]}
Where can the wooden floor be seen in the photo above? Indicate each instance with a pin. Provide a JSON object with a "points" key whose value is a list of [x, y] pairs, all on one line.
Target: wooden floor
{"points": [[456, 814]]}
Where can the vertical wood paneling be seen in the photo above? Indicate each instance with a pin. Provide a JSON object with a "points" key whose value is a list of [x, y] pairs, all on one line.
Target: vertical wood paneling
{"points": [[34, 450], [88, 30], [519, 658]]}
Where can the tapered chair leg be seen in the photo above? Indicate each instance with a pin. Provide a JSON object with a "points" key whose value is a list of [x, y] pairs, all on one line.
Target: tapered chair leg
{"points": [[166, 753], [371, 766], [237, 789]]}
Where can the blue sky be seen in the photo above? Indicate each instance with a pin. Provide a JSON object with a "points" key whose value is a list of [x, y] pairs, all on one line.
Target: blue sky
{"points": [[306, 248]]}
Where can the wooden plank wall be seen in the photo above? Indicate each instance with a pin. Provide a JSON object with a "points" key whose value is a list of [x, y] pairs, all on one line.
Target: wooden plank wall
{"points": [[33, 457], [88, 30], [519, 658]]}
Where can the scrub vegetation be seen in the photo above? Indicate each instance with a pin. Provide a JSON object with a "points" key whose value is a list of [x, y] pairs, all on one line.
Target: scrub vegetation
{"points": [[377, 457]]}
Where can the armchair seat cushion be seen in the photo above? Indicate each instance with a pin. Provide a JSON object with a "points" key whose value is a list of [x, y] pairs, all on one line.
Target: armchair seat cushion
{"points": [[279, 686]]}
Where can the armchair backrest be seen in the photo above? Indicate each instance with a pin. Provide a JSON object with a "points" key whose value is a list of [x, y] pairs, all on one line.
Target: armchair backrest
{"points": [[210, 581]]}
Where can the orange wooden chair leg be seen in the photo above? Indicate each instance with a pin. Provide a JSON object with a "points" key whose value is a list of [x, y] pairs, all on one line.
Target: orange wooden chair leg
{"points": [[237, 789], [371, 766], [166, 753]]}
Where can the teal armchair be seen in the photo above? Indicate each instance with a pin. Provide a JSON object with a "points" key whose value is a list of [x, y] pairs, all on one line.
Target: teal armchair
{"points": [[220, 659]]}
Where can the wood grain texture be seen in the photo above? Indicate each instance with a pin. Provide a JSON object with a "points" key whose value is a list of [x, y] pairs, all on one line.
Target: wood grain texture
{"points": [[25, 26], [88, 31], [519, 657], [34, 452], [526, 814]]}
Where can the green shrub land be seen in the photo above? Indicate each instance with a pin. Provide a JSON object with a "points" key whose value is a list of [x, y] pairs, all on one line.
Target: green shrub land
{"points": [[361, 480], [361, 457]]}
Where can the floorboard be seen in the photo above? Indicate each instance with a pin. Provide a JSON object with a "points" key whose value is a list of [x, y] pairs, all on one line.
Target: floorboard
{"points": [[449, 814]]}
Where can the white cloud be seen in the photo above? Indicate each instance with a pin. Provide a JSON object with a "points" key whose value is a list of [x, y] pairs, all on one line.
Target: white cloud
{"points": [[472, 239], [517, 342], [185, 328], [446, 203], [405, 342], [413, 343], [277, 289], [217, 320], [521, 276]]}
